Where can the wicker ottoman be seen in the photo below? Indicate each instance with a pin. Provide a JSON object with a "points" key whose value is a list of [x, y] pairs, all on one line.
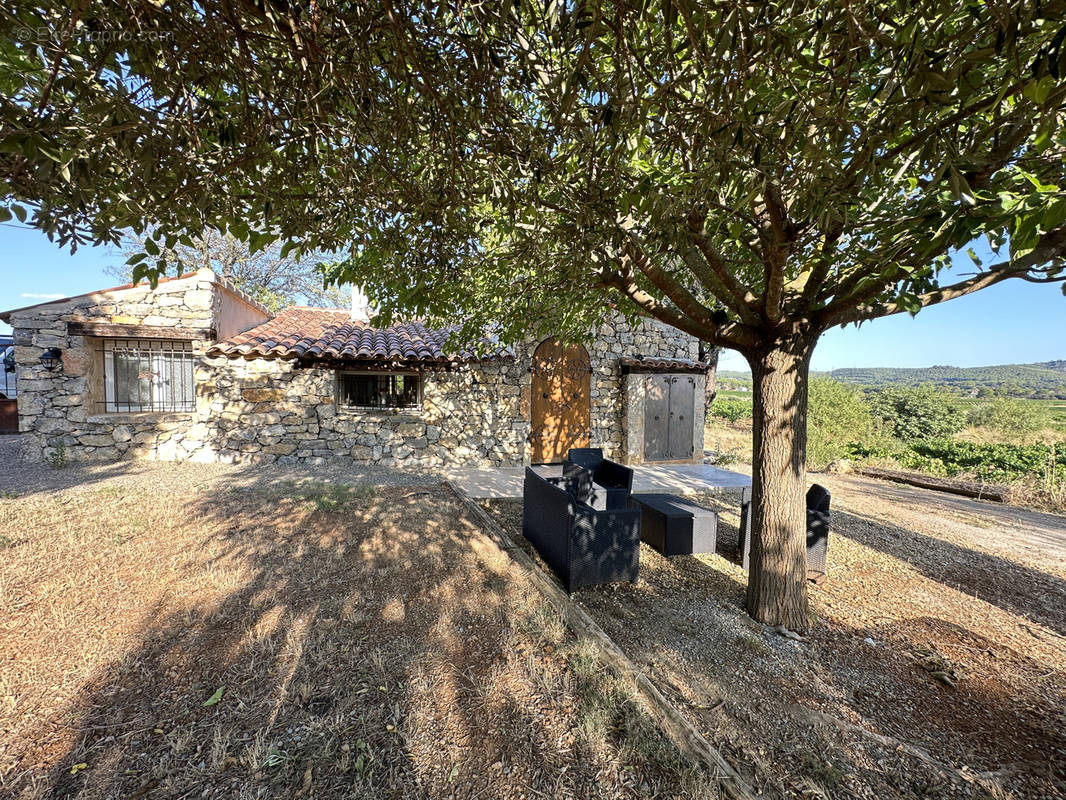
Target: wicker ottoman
{"points": [[675, 526]]}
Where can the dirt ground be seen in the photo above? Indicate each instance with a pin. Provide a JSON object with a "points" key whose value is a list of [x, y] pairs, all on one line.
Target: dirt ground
{"points": [[181, 631], [935, 667]]}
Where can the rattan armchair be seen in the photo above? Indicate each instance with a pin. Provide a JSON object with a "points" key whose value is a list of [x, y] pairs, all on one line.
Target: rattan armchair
{"points": [[583, 546], [613, 481]]}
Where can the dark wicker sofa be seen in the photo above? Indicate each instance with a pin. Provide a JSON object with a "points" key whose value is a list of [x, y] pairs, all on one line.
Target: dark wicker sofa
{"points": [[613, 481], [584, 547]]}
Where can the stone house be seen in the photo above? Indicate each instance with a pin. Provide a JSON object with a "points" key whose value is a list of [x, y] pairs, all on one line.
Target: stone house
{"points": [[195, 370]]}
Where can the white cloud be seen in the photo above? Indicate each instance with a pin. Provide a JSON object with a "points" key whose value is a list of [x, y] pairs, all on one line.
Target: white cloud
{"points": [[36, 296]]}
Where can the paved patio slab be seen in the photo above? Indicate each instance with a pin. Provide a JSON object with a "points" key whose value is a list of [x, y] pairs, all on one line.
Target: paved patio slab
{"points": [[506, 482]]}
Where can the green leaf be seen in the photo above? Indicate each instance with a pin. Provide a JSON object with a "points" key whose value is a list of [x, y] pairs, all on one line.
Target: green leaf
{"points": [[213, 699], [1054, 215], [137, 258], [1038, 90], [150, 247], [960, 187], [1042, 140], [19, 212]]}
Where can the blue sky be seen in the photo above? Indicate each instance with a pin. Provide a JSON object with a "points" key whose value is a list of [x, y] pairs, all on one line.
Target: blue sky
{"points": [[1013, 322]]}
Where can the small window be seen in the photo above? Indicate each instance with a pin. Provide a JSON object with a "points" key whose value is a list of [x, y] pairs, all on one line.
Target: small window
{"points": [[378, 390], [148, 375]]}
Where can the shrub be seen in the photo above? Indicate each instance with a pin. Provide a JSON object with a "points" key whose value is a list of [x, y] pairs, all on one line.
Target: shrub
{"points": [[56, 455], [998, 463], [732, 409], [918, 413], [837, 416], [1017, 418]]}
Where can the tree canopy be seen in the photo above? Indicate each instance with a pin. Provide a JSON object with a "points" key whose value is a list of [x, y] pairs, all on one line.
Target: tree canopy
{"points": [[274, 280], [752, 174], [729, 168]]}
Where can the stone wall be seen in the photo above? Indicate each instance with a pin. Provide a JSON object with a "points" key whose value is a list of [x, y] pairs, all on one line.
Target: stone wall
{"points": [[650, 338], [276, 410], [267, 410], [61, 411]]}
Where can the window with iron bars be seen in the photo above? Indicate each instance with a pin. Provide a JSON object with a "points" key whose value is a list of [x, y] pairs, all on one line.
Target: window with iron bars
{"points": [[148, 375], [378, 390], [8, 388]]}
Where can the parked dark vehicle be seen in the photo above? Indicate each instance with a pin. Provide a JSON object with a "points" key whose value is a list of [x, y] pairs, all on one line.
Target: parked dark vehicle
{"points": [[583, 546]]}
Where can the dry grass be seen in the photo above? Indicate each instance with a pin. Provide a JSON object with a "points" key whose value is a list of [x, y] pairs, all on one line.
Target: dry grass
{"points": [[295, 639], [731, 441], [982, 435]]}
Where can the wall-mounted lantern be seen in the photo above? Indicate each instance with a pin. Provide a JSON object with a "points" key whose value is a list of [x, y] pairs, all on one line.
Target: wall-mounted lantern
{"points": [[51, 359]]}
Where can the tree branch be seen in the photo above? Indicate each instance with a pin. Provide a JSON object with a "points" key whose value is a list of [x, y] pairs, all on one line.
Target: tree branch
{"points": [[667, 284], [816, 276], [697, 264], [743, 299], [776, 246], [1052, 247], [732, 335]]}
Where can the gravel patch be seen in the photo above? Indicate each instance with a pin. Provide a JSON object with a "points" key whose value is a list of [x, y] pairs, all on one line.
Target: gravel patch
{"points": [[933, 668]]}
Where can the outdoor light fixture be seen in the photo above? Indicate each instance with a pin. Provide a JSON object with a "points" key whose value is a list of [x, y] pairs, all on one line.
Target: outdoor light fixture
{"points": [[51, 359]]}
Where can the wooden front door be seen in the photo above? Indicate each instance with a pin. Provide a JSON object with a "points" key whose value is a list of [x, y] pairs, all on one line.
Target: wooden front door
{"points": [[559, 407]]}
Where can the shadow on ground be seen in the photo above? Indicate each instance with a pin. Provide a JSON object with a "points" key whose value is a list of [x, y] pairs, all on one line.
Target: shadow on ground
{"points": [[1013, 587], [754, 690], [330, 641]]}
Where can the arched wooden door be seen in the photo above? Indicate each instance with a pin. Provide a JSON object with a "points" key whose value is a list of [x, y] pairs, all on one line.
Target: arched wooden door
{"points": [[559, 408]]}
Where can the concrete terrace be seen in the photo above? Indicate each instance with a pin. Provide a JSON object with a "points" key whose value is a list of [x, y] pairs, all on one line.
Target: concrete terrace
{"points": [[506, 482]]}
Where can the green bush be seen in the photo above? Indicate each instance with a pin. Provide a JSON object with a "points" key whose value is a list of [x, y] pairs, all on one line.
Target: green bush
{"points": [[997, 463], [837, 415], [918, 413], [731, 408], [1017, 418]]}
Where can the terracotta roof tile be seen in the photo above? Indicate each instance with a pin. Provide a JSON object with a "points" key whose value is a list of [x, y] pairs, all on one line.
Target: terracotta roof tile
{"points": [[332, 335], [642, 364]]}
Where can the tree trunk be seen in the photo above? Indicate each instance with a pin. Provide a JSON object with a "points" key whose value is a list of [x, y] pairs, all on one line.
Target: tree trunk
{"points": [[777, 577], [708, 354]]}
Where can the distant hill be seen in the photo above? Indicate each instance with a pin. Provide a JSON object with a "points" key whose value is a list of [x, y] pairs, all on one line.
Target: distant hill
{"points": [[1047, 379], [1043, 380]]}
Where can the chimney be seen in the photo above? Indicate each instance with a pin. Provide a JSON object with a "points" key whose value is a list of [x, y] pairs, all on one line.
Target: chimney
{"points": [[361, 308]]}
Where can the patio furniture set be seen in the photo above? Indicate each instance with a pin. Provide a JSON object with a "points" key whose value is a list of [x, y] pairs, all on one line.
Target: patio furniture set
{"points": [[587, 524]]}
